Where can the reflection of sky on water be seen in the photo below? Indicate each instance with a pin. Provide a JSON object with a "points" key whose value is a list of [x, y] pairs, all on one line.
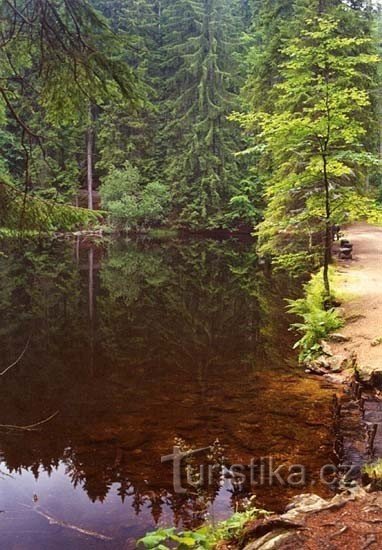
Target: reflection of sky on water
{"points": [[26, 506]]}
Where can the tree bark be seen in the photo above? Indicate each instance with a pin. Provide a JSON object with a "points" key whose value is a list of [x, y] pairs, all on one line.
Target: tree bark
{"points": [[328, 229]]}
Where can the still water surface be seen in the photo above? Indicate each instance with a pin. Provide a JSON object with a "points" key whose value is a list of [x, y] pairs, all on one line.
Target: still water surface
{"points": [[137, 345]]}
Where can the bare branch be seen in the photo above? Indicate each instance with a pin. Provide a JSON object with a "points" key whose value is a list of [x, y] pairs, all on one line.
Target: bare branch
{"points": [[30, 427], [17, 360]]}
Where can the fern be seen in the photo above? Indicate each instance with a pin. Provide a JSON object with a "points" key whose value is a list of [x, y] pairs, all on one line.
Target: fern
{"points": [[317, 321]]}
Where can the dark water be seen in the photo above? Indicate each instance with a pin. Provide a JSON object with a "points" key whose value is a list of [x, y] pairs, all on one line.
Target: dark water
{"points": [[137, 346]]}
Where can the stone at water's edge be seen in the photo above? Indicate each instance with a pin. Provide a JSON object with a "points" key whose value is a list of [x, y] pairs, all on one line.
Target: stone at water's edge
{"points": [[300, 508], [271, 541], [337, 338], [370, 376]]}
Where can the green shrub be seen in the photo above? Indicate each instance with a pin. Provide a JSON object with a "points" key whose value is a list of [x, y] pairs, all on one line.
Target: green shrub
{"points": [[204, 538], [374, 473], [317, 321], [130, 203]]}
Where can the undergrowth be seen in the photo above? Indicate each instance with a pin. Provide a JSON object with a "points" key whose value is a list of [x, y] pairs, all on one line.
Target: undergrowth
{"points": [[374, 473], [206, 537], [318, 321]]}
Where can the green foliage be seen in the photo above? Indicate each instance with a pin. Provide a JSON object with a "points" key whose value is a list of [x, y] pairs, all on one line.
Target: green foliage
{"points": [[374, 473], [163, 79], [245, 207], [46, 49], [25, 213], [295, 264], [130, 203], [206, 537], [313, 132], [318, 321], [201, 85]]}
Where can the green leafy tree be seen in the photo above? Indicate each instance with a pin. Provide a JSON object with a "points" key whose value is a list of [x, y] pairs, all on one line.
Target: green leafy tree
{"points": [[130, 203], [316, 135]]}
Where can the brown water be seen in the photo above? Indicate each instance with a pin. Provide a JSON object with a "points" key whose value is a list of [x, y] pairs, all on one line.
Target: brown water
{"points": [[135, 345]]}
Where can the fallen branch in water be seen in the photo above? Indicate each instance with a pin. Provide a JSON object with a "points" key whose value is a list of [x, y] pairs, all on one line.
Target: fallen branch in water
{"points": [[31, 427], [17, 360], [61, 523]]}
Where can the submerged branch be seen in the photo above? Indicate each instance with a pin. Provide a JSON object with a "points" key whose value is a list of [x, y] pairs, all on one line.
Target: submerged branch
{"points": [[53, 521], [17, 360], [31, 427]]}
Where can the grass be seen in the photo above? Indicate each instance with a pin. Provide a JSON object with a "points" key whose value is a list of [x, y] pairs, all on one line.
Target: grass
{"points": [[318, 322]]}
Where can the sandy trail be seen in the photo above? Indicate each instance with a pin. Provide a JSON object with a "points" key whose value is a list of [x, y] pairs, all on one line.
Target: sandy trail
{"points": [[362, 284]]}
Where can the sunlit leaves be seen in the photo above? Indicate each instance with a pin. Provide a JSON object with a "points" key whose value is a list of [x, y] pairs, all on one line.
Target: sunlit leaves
{"points": [[315, 131]]}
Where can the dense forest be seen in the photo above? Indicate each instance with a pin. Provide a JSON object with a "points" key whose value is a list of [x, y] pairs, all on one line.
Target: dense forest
{"points": [[199, 114], [194, 114], [177, 178]]}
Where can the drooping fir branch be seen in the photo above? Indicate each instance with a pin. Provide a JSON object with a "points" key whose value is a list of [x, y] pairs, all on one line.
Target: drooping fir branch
{"points": [[27, 212]]}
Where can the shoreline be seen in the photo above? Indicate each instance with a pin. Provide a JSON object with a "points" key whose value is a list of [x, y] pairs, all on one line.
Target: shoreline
{"points": [[352, 359]]}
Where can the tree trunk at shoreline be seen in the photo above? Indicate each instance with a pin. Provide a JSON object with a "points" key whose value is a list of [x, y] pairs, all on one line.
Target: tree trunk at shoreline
{"points": [[328, 230]]}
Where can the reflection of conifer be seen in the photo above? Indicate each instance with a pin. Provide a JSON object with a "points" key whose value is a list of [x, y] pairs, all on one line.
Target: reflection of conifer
{"points": [[156, 504], [138, 501], [35, 470], [97, 489], [124, 488]]}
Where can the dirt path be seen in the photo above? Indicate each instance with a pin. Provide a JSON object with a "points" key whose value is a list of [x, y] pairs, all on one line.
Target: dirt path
{"points": [[362, 285]]}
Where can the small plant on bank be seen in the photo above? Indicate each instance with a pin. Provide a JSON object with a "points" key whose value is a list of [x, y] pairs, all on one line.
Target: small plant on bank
{"points": [[318, 321], [374, 473], [205, 537]]}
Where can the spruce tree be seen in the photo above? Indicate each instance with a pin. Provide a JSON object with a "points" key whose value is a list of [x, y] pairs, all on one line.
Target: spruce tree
{"points": [[201, 89]]}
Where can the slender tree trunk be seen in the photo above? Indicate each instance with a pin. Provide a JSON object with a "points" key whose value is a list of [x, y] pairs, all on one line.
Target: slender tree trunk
{"points": [[91, 307], [91, 282], [77, 251], [89, 159], [328, 229]]}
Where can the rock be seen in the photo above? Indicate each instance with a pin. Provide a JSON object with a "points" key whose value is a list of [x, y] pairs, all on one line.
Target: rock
{"points": [[263, 526], [318, 366], [326, 349], [305, 503], [285, 528], [370, 376], [338, 363], [313, 368], [310, 503], [271, 541], [338, 338], [376, 342]]}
